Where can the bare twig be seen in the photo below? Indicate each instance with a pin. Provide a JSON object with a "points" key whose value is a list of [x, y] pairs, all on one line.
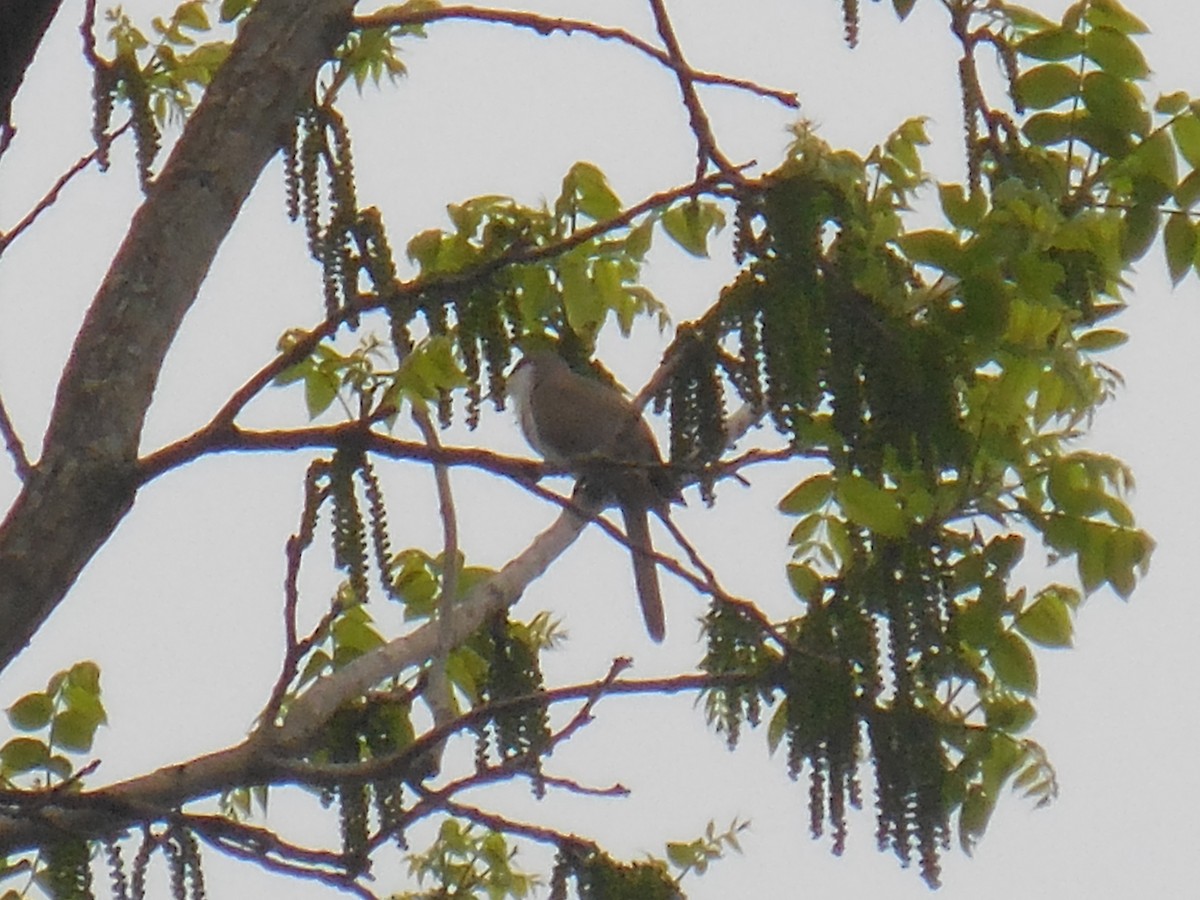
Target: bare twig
{"points": [[546, 25], [506, 825], [48, 200], [439, 694], [706, 142], [12, 441], [267, 849], [87, 32]]}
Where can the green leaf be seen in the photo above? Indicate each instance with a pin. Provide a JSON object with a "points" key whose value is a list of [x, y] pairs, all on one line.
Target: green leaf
{"points": [[31, 712], [1047, 85], [637, 244], [1047, 621], [1172, 104], [1188, 191], [86, 676], [1013, 663], [231, 9], [691, 222], [986, 305], [1110, 14], [193, 15], [1070, 487], [973, 817], [808, 495], [805, 529], [1116, 54], [320, 390], [1115, 103], [1051, 44], [964, 212], [1127, 550], [777, 727], [23, 754], [871, 506], [1155, 159], [581, 296], [1186, 131], [1140, 228], [1024, 19], [594, 198], [1046, 129], [1179, 241], [74, 730], [806, 584], [933, 247], [1008, 713], [1101, 339]]}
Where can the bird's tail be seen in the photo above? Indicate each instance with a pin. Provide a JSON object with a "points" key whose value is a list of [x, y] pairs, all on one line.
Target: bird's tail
{"points": [[645, 571]]}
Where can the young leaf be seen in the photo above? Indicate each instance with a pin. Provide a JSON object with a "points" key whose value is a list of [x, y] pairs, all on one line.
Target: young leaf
{"points": [[871, 506], [807, 496], [1047, 86], [806, 584], [1116, 54], [690, 223], [1047, 621], [1051, 44], [1186, 131], [1179, 241], [23, 754], [1013, 663], [31, 712]]}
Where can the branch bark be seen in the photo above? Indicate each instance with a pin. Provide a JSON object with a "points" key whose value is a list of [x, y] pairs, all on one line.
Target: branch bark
{"points": [[86, 479], [23, 24]]}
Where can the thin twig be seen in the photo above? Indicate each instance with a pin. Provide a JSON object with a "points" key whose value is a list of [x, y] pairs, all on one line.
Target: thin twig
{"points": [[48, 200], [505, 825], [706, 142], [439, 693], [12, 441], [334, 876], [546, 25]]}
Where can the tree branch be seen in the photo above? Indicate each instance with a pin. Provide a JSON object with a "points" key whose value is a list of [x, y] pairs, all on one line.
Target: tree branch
{"points": [[706, 142], [546, 25], [86, 479], [51, 196], [12, 442]]}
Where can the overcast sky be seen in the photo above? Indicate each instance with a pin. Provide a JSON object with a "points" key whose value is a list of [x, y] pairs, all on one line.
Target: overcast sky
{"points": [[181, 608]]}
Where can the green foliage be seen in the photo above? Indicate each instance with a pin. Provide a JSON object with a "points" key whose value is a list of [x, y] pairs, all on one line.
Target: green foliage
{"points": [[67, 714], [690, 224], [508, 680], [68, 711], [600, 877], [697, 855], [942, 375], [467, 862]]}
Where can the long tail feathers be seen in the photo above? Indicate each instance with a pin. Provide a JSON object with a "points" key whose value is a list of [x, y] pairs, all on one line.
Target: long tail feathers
{"points": [[645, 571]]}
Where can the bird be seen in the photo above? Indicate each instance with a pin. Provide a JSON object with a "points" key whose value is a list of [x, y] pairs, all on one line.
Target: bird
{"points": [[590, 428]]}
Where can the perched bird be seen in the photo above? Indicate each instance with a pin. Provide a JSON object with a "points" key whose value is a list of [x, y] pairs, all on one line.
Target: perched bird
{"points": [[590, 428]]}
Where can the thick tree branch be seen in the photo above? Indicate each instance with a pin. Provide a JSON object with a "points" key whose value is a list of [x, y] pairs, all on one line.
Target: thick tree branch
{"points": [[30, 819], [23, 24], [86, 479]]}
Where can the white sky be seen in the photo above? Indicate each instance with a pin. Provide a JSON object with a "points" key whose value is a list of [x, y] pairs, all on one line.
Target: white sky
{"points": [[181, 608]]}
